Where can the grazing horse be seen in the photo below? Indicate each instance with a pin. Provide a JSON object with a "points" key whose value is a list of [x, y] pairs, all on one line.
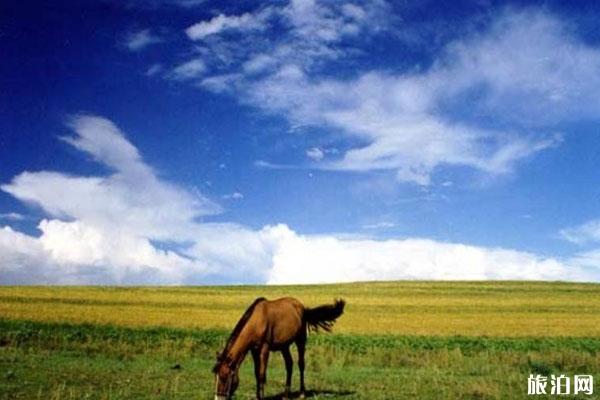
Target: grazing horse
{"points": [[270, 326]]}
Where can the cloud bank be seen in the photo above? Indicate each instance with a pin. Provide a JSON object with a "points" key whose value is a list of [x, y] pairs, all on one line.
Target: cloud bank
{"points": [[132, 227], [489, 99], [302, 259]]}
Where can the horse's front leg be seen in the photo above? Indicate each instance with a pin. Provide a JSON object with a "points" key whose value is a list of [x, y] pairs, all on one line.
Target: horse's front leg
{"points": [[262, 370], [256, 359]]}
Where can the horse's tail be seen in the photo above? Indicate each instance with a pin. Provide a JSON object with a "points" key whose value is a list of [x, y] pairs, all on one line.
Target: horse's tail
{"points": [[324, 316]]}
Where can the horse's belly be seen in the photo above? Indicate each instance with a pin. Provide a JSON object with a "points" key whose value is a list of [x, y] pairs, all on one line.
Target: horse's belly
{"points": [[285, 331], [279, 346]]}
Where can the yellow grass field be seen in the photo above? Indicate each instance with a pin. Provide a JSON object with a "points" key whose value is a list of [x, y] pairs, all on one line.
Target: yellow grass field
{"points": [[507, 309]]}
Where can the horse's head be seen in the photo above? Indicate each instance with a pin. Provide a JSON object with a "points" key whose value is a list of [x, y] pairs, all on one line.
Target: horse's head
{"points": [[226, 379]]}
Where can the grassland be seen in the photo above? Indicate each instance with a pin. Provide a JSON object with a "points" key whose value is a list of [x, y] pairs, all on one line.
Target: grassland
{"points": [[396, 340]]}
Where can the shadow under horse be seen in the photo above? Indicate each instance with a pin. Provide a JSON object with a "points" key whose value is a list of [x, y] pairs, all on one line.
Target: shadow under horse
{"points": [[311, 393], [271, 326]]}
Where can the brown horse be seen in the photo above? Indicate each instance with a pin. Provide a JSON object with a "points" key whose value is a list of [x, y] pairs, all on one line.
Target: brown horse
{"points": [[270, 326]]}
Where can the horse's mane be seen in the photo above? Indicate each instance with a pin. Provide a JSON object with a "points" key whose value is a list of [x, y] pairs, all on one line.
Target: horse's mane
{"points": [[236, 331]]}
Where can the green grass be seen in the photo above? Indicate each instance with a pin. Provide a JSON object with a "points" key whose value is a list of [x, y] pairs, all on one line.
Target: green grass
{"points": [[405, 340], [65, 361]]}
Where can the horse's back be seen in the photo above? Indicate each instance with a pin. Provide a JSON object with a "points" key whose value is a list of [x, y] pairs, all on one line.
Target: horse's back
{"points": [[283, 319]]}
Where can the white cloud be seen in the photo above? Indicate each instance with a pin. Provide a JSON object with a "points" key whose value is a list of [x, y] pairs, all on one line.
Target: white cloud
{"points": [[354, 11], [236, 252], [530, 54], [220, 83], [132, 198], [315, 153], [223, 22], [103, 226], [278, 255], [12, 216], [320, 23], [113, 218], [76, 243], [259, 63], [72, 253], [588, 232], [326, 259], [102, 139], [112, 230], [141, 39], [394, 114], [233, 196], [22, 258], [300, 32], [527, 70], [188, 70], [270, 165]]}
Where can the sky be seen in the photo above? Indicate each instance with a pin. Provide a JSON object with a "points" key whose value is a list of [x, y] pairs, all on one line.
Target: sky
{"points": [[214, 142]]}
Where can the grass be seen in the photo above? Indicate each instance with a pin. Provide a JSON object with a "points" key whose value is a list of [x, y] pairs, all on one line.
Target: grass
{"points": [[469, 340]]}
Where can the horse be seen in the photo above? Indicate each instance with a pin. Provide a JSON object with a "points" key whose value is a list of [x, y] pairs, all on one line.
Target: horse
{"points": [[270, 326]]}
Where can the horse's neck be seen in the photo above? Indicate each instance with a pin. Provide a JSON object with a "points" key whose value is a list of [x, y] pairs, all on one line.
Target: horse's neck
{"points": [[245, 338], [239, 348]]}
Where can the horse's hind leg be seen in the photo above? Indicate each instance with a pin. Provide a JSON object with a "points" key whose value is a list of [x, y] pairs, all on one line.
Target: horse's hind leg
{"points": [[301, 344], [287, 357]]}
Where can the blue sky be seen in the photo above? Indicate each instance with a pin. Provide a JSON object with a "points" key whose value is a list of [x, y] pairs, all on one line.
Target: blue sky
{"points": [[200, 142]]}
